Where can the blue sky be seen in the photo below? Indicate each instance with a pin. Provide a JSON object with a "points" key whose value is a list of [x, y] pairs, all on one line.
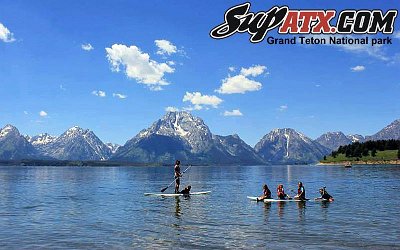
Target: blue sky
{"points": [[43, 67]]}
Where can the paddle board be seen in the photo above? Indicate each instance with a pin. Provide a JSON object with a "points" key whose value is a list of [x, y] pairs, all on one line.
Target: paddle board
{"points": [[175, 195], [253, 198]]}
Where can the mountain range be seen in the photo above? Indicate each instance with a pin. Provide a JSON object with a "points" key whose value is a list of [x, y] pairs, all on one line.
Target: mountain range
{"points": [[180, 135]]}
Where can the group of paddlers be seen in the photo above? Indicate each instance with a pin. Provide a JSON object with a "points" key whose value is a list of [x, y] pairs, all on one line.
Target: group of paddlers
{"points": [[280, 191], [301, 193]]}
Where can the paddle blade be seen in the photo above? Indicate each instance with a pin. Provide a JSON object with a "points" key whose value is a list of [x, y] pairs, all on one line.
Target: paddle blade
{"points": [[162, 190]]}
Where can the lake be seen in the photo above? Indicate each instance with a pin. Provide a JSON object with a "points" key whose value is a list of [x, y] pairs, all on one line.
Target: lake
{"points": [[104, 207]]}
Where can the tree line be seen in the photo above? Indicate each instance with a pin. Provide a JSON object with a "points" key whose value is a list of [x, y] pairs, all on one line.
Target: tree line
{"points": [[360, 149]]}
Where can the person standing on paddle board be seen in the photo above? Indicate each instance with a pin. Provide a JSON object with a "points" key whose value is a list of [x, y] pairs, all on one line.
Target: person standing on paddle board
{"points": [[266, 193], [177, 175], [301, 192]]}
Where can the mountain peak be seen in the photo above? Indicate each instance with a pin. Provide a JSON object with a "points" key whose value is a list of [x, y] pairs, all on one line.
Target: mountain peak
{"points": [[286, 132], [76, 144], [356, 137], [180, 135], [395, 123], [42, 139], [75, 128], [8, 129], [13, 145], [236, 136], [335, 133], [283, 130], [174, 113], [74, 131], [391, 131], [183, 126], [289, 146], [333, 140]]}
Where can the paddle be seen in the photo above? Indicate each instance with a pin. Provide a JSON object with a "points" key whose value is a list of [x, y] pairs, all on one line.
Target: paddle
{"points": [[162, 190]]}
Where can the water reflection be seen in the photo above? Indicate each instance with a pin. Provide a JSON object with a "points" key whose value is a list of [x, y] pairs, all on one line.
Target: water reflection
{"points": [[302, 210], [177, 207], [324, 209], [281, 208], [325, 204], [267, 210], [289, 173]]}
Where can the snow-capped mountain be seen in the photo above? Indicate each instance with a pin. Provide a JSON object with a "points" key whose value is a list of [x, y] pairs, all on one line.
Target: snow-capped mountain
{"points": [[41, 139], [356, 138], [76, 144], [333, 140], [180, 135], [112, 146], [183, 125], [391, 131], [289, 146], [14, 146]]}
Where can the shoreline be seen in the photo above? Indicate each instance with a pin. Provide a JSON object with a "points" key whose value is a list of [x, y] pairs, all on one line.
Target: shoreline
{"points": [[380, 162]]}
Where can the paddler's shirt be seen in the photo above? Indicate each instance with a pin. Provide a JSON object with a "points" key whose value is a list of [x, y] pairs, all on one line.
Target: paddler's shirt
{"points": [[301, 191]]}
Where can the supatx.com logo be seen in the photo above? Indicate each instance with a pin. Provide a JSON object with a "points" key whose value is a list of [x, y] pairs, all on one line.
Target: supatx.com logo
{"points": [[239, 19]]}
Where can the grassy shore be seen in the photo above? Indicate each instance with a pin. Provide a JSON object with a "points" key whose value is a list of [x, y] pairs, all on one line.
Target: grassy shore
{"points": [[381, 157]]}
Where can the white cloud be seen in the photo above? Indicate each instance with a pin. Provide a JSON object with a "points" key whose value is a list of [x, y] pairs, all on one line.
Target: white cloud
{"points": [[241, 83], [171, 109], [253, 71], [317, 85], [138, 65], [396, 34], [376, 51], [358, 68], [199, 100], [232, 69], [283, 108], [165, 47], [87, 47], [238, 84], [26, 112], [171, 63], [120, 96], [5, 34], [62, 88], [235, 112], [43, 113], [99, 93]]}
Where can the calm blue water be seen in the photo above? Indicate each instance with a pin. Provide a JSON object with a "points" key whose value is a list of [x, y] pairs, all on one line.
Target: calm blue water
{"points": [[104, 207]]}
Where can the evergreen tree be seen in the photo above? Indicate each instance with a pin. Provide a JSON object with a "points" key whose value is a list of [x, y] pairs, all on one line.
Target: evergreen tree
{"points": [[324, 157], [373, 153], [357, 152]]}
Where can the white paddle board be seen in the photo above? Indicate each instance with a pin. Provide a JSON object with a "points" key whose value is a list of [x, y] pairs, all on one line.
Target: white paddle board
{"points": [[175, 195]]}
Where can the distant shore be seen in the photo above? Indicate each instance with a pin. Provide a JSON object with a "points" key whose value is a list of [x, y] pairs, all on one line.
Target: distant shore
{"points": [[378, 162]]}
